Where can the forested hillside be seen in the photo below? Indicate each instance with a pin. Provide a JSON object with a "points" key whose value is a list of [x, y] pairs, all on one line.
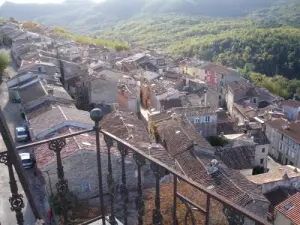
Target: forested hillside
{"points": [[86, 16], [260, 37]]}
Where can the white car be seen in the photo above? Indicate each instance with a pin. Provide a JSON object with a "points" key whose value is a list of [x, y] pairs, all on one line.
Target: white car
{"points": [[27, 160], [21, 134]]}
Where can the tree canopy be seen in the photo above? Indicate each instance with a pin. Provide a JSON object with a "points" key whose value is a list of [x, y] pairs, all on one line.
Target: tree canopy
{"points": [[4, 62]]}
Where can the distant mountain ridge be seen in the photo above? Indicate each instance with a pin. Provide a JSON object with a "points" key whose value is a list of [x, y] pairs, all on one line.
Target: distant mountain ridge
{"points": [[84, 15]]}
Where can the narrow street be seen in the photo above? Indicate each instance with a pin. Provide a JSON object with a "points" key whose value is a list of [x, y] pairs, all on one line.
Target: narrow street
{"points": [[12, 114]]}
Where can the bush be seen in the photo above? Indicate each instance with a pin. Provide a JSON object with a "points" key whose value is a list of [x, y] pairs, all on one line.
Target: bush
{"points": [[55, 203], [217, 141]]}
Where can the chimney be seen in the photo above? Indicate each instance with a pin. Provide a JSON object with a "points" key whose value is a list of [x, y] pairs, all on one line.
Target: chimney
{"points": [[205, 97]]}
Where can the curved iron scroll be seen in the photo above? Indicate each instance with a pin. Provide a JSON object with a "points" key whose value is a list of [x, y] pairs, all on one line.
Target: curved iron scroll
{"points": [[4, 158]]}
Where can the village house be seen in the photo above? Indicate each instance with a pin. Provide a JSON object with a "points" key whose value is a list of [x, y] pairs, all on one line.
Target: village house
{"points": [[245, 101], [218, 75], [204, 119], [195, 158], [288, 211], [55, 118], [103, 87], [157, 90], [285, 142], [192, 67], [255, 140], [291, 108], [129, 94], [39, 67], [79, 156], [280, 176]]}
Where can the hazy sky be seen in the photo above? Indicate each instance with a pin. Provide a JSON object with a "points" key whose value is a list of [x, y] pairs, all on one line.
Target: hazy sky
{"points": [[39, 1]]}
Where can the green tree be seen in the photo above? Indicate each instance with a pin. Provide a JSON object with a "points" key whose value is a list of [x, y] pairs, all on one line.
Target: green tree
{"points": [[4, 62]]}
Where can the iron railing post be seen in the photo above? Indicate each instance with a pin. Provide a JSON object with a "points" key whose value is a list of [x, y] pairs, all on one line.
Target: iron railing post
{"points": [[207, 209], [175, 220], [140, 205], [62, 184], [97, 115], [14, 159]]}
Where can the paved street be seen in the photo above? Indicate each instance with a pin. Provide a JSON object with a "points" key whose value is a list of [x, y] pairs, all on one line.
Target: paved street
{"points": [[12, 115]]}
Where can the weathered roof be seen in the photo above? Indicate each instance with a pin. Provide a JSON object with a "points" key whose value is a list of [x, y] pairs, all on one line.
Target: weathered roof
{"points": [[56, 116], [31, 91], [292, 130], [291, 208], [180, 136], [275, 174], [280, 194], [291, 103], [218, 69], [227, 182], [238, 158], [170, 103], [125, 125], [185, 111], [277, 123]]}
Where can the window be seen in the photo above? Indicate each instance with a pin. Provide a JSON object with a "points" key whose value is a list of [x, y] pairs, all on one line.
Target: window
{"points": [[198, 120], [292, 154], [207, 119], [261, 161], [263, 150], [85, 186], [254, 100], [199, 131]]}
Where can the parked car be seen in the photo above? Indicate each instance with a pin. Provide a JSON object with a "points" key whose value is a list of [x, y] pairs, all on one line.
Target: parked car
{"points": [[27, 160], [21, 134]]}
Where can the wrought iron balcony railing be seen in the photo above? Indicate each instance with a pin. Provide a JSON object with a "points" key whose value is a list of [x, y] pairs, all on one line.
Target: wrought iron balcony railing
{"points": [[233, 214]]}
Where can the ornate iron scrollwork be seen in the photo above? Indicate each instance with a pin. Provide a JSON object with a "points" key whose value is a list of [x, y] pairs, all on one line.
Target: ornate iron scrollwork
{"points": [[109, 141], [57, 145], [140, 205], [17, 204], [62, 187], [233, 216], [4, 158], [189, 213], [123, 188]]}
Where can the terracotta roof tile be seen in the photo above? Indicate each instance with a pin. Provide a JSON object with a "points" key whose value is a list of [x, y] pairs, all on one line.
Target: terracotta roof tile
{"points": [[291, 208], [125, 125], [291, 103], [56, 116], [238, 158]]}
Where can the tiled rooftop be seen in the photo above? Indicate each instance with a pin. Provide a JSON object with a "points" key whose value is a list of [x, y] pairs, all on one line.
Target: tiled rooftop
{"points": [[125, 125], [238, 158], [180, 136], [56, 116], [32, 91], [291, 103], [291, 208]]}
